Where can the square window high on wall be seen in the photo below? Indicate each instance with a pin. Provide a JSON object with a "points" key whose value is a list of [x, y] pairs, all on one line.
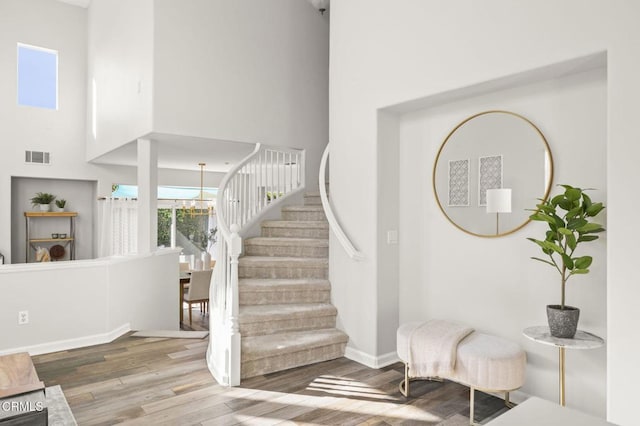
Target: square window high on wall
{"points": [[37, 77]]}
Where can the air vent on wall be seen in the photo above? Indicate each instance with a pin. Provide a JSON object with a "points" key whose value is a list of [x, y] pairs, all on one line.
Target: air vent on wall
{"points": [[37, 157]]}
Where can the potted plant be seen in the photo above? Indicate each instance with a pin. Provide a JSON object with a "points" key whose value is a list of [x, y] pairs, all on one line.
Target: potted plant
{"points": [[60, 204], [567, 216], [43, 200]]}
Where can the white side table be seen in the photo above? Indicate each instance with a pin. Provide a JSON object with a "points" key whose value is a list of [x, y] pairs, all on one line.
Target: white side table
{"points": [[536, 412], [582, 340]]}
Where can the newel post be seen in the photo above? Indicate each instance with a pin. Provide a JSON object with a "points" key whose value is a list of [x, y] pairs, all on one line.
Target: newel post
{"points": [[235, 248]]}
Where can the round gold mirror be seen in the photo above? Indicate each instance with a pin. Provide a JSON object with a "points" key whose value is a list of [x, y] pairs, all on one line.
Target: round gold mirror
{"points": [[491, 168]]}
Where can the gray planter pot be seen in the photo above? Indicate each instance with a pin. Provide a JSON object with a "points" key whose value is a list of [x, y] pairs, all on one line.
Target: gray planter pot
{"points": [[563, 323]]}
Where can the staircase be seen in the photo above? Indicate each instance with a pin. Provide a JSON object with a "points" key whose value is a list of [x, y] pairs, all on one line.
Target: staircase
{"points": [[286, 318]]}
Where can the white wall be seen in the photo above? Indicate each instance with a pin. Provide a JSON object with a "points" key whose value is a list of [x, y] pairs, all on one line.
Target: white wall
{"points": [[120, 61], [243, 70], [414, 49], [73, 304], [492, 283], [63, 28]]}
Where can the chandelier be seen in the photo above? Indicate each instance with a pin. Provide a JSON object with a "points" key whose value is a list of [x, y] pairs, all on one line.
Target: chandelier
{"points": [[199, 207]]}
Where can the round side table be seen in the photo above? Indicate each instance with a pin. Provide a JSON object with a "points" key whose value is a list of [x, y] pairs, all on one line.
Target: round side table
{"points": [[582, 340]]}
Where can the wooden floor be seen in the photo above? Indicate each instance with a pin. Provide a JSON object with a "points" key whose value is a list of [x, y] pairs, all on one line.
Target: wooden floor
{"points": [[166, 381]]}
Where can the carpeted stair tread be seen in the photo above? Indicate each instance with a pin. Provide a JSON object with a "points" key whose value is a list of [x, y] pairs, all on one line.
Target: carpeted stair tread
{"points": [[256, 347], [277, 241], [312, 199], [313, 194], [273, 261], [304, 213], [286, 247], [303, 208], [273, 291], [296, 227], [265, 313], [321, 224], [271, 284]]}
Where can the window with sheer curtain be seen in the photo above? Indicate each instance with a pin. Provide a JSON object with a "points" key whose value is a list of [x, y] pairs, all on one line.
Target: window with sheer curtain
{"points": [[118, 231]]}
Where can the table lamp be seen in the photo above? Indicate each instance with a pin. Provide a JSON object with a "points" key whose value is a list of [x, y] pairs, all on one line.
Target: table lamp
{"points": [[498, 201]]}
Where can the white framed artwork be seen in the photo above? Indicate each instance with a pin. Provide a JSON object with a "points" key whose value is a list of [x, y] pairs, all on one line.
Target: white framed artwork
{"points": [[489, 176], [458, 183]]}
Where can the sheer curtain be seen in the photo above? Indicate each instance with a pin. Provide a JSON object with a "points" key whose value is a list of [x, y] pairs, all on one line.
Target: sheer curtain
{"points": [[118, 232]]}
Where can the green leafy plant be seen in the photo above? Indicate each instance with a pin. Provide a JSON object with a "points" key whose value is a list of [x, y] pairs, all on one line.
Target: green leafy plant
{"points": [[567, 217], [42, 198], [273, 195], [61, 203]]}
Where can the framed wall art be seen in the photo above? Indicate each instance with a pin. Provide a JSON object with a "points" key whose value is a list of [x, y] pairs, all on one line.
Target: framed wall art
{"points": [[489, 176], [459, 183]]}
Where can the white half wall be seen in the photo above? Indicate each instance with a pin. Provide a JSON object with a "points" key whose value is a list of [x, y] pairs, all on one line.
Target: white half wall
{"points": [[73, 304]]}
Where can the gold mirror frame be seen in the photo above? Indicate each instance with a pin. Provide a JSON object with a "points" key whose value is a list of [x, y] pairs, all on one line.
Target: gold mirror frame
{"points": [[546, 190]]}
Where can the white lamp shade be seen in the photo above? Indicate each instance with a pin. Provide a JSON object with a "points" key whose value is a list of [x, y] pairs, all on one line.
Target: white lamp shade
{"points": [[499, 200]]}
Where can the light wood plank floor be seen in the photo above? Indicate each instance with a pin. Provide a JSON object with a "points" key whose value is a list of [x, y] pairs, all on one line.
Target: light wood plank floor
{"points": [[166, 381]]}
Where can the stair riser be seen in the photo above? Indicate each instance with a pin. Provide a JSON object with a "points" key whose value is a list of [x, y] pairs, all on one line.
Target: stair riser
{"points": [[295, 232], [284, 325], [283, 297], [303, 215], [282, 272], [278, 363], [312, 200], [285, 250]]}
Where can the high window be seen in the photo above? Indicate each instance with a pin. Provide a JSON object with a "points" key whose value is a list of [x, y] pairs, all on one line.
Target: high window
{"points": [[37, 77]]}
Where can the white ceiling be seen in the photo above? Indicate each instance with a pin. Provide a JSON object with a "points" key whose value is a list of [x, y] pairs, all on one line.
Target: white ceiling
{"points": [[183, 153]]}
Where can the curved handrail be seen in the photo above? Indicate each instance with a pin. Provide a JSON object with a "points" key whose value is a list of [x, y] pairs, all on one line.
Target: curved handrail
{"points": [[331, 218], [243, 201], [222, 224]]}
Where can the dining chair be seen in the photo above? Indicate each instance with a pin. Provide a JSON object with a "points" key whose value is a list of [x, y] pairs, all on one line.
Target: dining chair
{"points": [[198, 291]]}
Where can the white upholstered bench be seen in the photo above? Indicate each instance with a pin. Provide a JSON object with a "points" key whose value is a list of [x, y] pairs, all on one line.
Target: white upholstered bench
{"points": [[483, 362]]}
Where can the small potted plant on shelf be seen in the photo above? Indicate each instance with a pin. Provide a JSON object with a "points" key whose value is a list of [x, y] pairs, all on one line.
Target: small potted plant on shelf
{"points": [[60, 204], [43, 200], [567, 216]]}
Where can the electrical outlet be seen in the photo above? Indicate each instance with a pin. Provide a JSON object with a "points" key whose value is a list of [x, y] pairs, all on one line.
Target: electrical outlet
{"points": [[23, 317]]}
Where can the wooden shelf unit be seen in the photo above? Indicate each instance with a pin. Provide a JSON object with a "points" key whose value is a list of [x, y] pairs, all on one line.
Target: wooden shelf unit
{"points": [[70, 241]]}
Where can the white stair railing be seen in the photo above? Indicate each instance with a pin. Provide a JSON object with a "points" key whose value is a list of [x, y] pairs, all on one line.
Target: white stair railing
{"points": [[334, 225], [255, 185]]}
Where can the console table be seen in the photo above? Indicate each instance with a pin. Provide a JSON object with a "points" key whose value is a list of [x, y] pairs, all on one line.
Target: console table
{"points": [[582, 340]]}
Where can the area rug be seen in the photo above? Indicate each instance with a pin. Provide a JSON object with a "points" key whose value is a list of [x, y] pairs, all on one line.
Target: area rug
{"points": [[58, 409], [174, 334]]}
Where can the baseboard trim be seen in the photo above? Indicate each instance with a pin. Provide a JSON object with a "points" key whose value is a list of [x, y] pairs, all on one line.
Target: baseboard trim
{"points": [[370, 360], [78, 342]]}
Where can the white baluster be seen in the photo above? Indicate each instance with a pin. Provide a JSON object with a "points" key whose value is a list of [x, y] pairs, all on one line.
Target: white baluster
{"points": [[234, 332]]}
